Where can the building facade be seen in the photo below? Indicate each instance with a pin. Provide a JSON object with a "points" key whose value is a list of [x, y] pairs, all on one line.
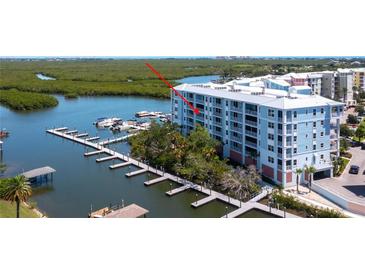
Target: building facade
{"points": [[275, 130]]}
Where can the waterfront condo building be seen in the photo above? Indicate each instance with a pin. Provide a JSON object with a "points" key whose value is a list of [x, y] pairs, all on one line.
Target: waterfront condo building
{"points": [[278, 131]]}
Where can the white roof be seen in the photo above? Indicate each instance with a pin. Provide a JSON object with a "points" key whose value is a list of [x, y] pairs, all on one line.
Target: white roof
{"points": [[279, 82], [270, 97]]}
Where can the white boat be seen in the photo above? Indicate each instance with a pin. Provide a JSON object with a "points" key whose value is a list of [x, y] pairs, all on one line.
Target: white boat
{"points": [[107, 122], [122, 126], [143, 113]]}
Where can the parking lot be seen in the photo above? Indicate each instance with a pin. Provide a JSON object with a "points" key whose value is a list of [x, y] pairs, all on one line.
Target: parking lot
{"points": [[350, 186]]}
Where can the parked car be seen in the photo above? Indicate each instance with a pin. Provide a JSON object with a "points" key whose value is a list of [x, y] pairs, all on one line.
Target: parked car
{"points": [[363, 146], [354, 169]]}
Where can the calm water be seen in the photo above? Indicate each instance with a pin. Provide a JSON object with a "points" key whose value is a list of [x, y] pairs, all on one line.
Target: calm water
{"points": [[44, 77], [199, 79], [80, 182]]}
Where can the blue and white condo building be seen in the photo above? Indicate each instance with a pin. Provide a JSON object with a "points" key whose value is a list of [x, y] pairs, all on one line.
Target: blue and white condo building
{"points": [[277, 130]]}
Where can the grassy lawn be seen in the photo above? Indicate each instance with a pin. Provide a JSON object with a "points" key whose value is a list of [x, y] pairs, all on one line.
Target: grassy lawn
{"points": [[8, 210]]}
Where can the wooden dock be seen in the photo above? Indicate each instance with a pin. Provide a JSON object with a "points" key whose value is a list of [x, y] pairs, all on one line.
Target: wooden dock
{"points": [[120, 165], [177, 190], [61, 129], [98, 149], [71, 131], [91, 153], [203, 201], [155, 181], [93, 138], [108, 158], [116, 140], [134, 173], [81, 135]]}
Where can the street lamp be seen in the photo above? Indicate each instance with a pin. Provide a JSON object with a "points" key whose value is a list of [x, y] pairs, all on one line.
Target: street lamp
{"points": [[226, 211], [196, 198], [170, 188]]}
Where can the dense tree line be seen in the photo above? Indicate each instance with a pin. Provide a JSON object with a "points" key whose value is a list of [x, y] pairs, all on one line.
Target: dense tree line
{"points": [[24, 101], [132, 77]]}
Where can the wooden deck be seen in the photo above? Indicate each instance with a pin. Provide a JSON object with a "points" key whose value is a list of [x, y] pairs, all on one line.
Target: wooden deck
{"points": [[177, 190], [203, 201]]}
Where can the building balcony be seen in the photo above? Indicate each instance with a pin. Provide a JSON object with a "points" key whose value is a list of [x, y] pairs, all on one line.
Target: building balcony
{"points": [[289, 131], [251, 144], [280, 143], [236, 139], [288, 167], [215, 113], [251, 133], [251, 112], [236, 109], [251, 123], [237, 129], [288, 144], [280, 131], [237, 119]]}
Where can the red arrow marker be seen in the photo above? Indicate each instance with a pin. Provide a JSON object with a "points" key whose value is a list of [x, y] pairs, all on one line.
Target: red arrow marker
{"points": [[196, 111]]}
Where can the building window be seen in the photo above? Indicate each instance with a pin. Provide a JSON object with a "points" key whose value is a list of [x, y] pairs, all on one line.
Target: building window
{"points": [[270, 159], [295, 126], [322, 145], [314, 112], [322, 134], [294, 162], [270, 148], [314, 124], [322, 123], [295, 150], [295, 138], [271, 113], [322, 156], [322, 110], [270, 136], [314, 135], [271, 125], [314, 147], [295, 114]]}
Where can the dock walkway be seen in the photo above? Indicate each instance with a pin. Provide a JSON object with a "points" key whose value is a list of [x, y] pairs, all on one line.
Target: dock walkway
{"points": [[203, 201], [155, 181], [241, 206]]}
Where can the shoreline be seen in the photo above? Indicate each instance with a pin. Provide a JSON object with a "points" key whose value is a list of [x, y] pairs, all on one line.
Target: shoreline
{"points": [[35, 210]]}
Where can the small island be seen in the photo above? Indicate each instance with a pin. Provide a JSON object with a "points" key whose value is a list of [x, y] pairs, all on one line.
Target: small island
{"points": [[26, 101]]}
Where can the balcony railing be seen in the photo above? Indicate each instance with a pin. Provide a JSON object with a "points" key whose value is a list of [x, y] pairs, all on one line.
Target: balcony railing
{"points": [[237, 119], [288, 167], [251, 112], [280, 143], [238, 129], [289, 131], [288, 144], [251, 133], [280, 131], [217, 113], [251, 123], [236, 109], [250, 144], [236, 138]]}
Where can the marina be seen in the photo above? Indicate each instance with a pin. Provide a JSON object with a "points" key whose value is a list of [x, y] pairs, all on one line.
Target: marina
{"points": [[73, 190], [184, 185]]}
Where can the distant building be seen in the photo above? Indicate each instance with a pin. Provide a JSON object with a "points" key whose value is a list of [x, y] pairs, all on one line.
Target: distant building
{"points": [[344, 83], [328, 84], [278, 131], [359, 78]]}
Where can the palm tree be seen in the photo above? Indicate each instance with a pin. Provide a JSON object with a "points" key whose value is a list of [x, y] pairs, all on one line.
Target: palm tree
{"points": [[310, 170], [17, 189], [298, 172]]}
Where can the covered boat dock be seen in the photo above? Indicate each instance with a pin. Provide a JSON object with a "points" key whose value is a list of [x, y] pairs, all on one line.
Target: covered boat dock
{"points": [[39, 173]]}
